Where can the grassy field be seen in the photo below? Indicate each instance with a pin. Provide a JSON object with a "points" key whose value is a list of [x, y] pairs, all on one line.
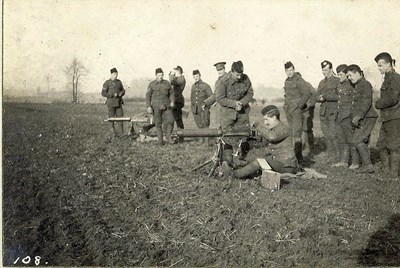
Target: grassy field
{"points": [[74, 199]]}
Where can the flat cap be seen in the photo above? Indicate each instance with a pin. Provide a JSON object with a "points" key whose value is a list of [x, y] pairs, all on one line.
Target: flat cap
{"points": [[113, 70], [326, 63], [220, 65], [354, 68], [288, 65], [159, 70], [341, 68], [384, 55], [237, 66], [196, 72], [269, 109], [179, 68]]}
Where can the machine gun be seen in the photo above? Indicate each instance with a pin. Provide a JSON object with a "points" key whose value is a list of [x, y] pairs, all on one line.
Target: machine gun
{"points": [[220, 135], [146, 120]]}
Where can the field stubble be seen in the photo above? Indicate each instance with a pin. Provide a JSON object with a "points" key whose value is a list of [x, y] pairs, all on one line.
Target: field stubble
{"points": [[73, 199]]}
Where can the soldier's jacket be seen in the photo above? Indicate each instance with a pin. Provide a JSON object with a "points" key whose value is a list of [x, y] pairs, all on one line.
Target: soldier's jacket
{"points": [[362, 100], [345, 98], [280, 144], [178, 84], [210, 101], [201, 91], [328, 88], [159, 95], [297, 92], [390, 97], [229, 91], [110, 87]]}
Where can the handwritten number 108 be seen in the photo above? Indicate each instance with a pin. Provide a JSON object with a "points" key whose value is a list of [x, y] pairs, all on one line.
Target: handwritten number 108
{"points": [[27, 260]]}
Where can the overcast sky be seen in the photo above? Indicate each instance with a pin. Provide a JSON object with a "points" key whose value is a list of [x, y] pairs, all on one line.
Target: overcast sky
{"points": [[41, 37]]}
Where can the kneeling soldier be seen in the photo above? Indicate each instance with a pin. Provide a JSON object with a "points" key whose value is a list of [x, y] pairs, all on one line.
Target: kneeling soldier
{"points": [[279, 152]]}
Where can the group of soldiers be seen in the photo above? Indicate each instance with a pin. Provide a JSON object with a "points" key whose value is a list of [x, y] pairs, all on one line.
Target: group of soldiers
{"points": [[347, 115]]}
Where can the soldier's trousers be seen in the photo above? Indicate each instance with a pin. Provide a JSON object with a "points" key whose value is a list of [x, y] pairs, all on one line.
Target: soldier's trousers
{"points": [[116, 112], [162, 116], [328, 126], [240, 123], [344, 131], [308, 117], [295, 121], [279, 166], [363, 132], [177, 114], [202, 118], [389, 135]]}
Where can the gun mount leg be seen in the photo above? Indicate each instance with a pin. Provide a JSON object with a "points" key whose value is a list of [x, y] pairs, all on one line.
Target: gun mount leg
{"points": [[202, 165]]}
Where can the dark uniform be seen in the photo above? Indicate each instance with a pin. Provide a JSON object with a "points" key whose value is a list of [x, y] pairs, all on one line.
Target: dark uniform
{"points": [[229, 91], [159, 96], [178, 84], [343, 121], [297, 94], [327, 113], [201, 93], [113, 90], [362, 109], [308, 121], [389, 105], [279, 152]]}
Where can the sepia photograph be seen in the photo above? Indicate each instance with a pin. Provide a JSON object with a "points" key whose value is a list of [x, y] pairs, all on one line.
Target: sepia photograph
{"points": [[209, 133]]}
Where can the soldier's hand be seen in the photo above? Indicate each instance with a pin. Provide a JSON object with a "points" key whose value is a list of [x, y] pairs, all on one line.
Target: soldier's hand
{"points": [[172, 104], [149, 110], [239, 106], [255, 124], [115, 94], [320, 98], [203, 106], [356, 120]]}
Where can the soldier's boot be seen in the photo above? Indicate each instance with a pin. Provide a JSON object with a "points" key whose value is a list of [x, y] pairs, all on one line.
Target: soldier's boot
{"points": [[344, 157], [243, 172], [168, 133], [160, 137], [120, 129], [367, 166], [330, 151], [394, 163], [385, 161], [298, 151], [244, 150], [306, 144], [355, 157], [337, 151]]}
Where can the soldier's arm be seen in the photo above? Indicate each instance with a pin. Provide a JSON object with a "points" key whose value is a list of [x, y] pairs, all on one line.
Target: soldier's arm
{"points": [[221, 96], [171, 91], [178, 82], [210, 96], [319, 93], [276, 134], [249, 94], [104, 91], [389, 96], [122, 93], [149, 94], [304, 91], [364, 102]]}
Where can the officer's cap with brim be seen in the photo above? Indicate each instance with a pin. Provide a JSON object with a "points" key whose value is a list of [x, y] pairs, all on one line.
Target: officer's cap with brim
{"points": [[220, 65], [383, 55], [288, 65], [326, 63], [341, 68], [113, 70], [237, 66], [196, 72], [159, 71], [354, 68], [269, 110], [179, 68]]}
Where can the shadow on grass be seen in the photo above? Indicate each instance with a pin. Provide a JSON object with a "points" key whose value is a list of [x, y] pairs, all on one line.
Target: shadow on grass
{"points": [[383, 247]]}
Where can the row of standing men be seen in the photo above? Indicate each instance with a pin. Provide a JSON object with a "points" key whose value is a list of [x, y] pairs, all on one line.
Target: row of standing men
{"points": [[347, 114]]}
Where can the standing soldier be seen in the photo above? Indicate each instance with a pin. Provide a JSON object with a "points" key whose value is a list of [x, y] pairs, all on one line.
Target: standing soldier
{"points": [[200, 94], [308, 122], [328, 97], [343, 122], [363, 115], [178, 83], [234, 93], [389, 104], [160, 99], [297, 94], [113, 90]]}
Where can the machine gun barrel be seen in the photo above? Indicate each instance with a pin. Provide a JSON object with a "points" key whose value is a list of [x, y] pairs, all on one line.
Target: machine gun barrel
{"points": [[128, 119], [210, 132]]}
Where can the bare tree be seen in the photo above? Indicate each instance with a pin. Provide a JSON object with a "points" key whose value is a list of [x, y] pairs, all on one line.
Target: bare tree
{"points": [[74, 71]]}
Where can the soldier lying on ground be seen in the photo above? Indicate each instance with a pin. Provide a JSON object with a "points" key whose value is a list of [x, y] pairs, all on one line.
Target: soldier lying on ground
{"points": [[279, 152]]}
